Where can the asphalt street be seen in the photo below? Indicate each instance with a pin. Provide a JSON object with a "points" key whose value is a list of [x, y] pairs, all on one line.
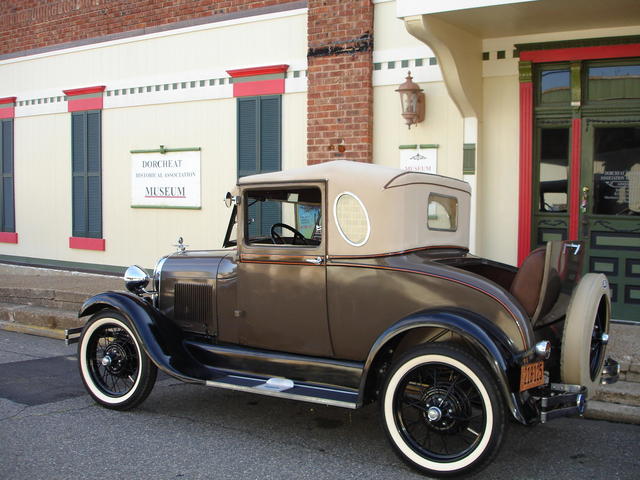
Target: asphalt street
{"points": [[50, 429]]}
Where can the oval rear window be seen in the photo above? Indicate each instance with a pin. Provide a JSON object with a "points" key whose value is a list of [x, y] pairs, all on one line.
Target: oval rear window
{"points": [[352, 219]]}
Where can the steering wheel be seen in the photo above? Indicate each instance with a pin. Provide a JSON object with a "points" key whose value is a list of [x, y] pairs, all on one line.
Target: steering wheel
{"points": [[277, 239]]}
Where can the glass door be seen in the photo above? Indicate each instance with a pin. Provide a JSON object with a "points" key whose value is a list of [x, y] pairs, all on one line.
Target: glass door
{"points": [[610, 208]]}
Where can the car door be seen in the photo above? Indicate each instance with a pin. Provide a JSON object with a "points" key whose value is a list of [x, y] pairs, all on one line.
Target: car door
{"points": [[282, 295]]}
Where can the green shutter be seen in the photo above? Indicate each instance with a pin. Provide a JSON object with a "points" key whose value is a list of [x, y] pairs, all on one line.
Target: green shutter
{"points": [[260, 151], [86, 159], [247, 136], [270, 134], [7, 212]]}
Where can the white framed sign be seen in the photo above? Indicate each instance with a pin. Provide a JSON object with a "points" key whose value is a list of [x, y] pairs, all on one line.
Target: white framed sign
{"points": [[165, 180], [418, 159]]}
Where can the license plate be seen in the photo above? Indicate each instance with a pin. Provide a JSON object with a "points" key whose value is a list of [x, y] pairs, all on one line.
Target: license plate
{"points": [[531, 375]]}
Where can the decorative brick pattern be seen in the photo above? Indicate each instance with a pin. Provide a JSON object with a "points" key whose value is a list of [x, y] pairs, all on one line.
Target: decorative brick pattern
{"points": [[340, 93], [30, 24]]}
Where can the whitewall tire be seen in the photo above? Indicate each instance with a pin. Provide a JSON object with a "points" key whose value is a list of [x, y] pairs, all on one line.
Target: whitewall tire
{"points": [[583, 347], [114, 368], [442, 411]]}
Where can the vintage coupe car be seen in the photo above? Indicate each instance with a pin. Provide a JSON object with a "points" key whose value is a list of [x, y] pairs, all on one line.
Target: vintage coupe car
{"points": [[347, 283]]}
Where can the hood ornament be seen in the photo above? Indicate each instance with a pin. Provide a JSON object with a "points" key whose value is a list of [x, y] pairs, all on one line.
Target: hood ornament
{"points": [[180, 246]]}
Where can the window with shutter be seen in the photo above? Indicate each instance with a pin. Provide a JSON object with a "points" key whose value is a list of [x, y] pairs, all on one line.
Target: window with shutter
{"points": [[260, 151], [86, 160], [7, 207]]}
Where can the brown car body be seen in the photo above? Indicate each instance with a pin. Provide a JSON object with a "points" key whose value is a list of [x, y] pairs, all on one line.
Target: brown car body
{"points": [[330, 315]]}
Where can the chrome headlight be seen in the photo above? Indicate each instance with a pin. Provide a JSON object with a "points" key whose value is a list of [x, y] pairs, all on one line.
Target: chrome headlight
{"points": [[136, 279]]}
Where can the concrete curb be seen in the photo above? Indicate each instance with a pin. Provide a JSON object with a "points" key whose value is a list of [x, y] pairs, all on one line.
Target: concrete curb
{"points": [[613, 412], [32, 330]]}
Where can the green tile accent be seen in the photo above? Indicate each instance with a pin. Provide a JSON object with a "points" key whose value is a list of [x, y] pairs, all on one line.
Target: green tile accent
{"points": [[576, 93], [433, 61], [108, 93], [140, 89], [485, 56], [167, 150], [183, 85], [377, 66], [296, 74], [193, 84], [418, 62], [116, 92], [501, 55], [221, 81], [469, 159], [149, 88], [212, 81], [157, 88], [525, 71], [391, 65], [603, 267], [202, 82], [174, 86], [166, 86], [421, 145], [404, 63], [584, 42]]}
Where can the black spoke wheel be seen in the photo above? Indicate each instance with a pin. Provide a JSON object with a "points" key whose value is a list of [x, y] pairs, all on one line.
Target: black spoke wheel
{"points": [[442, 410], [115, 369]]}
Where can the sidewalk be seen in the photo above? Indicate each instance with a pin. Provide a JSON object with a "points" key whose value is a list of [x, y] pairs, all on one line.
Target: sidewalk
{"points": [[44, 302]]}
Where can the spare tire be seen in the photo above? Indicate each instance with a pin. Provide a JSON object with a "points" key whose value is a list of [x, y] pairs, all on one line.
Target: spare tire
{"points": [[583, 345]]}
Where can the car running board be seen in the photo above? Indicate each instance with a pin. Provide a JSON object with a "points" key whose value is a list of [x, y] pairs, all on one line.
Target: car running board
{"points": [[285, 388]]}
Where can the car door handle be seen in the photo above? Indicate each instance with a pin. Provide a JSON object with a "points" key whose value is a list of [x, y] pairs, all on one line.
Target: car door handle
{"points": [[315, 261]]}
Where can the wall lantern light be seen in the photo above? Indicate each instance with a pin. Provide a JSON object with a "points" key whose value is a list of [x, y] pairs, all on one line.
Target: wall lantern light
{"points": [[412, 100]]}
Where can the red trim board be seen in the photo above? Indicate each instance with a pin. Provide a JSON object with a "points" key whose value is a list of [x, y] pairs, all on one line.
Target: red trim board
{"points": [[526, 170], [582, 53], [8, 237], [87, 243], [93, 102], [253, 71], [7, 107], [259, 86], [574, 182]]}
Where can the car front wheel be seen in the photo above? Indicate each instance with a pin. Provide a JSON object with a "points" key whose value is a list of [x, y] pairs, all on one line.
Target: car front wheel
{"points": [[442, 411], [114, 368]]}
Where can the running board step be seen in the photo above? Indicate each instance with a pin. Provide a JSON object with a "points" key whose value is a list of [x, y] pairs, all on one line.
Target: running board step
{"points": [[285, 388]]}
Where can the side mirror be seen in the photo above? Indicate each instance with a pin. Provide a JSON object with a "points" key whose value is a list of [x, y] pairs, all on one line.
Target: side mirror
{"points": [[231, 200], [136, 279]]}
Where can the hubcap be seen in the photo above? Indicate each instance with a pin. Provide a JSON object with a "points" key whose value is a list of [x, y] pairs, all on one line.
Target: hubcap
{"points": [[106, 361], [434, 414]]}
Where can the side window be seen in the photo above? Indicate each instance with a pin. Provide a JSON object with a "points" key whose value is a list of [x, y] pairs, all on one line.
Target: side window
{"points": [[352, 219], [442, 213], [287, 217]]}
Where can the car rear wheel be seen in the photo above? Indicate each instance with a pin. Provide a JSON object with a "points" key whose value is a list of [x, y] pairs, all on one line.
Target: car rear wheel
{"points": [[114, 368], [585, 334], [442, 411]]}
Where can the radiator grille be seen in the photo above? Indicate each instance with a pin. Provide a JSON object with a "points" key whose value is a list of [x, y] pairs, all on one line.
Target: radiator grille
{"points": [[193, 304]]}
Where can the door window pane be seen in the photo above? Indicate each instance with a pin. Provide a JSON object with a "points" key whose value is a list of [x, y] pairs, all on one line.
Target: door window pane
{"points": [[555, 86], [616, 171], [554, 169], [614, 82]]}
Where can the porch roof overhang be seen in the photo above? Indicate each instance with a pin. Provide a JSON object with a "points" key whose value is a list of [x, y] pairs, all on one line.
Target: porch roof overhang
{"points": [[455, 31], [503, 18]]}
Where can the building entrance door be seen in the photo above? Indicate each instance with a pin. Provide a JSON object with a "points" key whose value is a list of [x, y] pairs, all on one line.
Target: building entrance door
{"points": [[610, 208]]}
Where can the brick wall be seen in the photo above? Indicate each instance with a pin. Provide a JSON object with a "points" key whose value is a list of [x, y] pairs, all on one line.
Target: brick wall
{"points": [[340, 93], [29, 24]]}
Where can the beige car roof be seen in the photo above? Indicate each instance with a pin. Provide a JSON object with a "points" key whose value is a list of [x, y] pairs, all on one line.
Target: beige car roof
{"points": [[396, 202]]}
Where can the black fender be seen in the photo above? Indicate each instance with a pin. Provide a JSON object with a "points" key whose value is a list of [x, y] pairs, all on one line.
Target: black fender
{"points": [[161, 339], [492, 343]]}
